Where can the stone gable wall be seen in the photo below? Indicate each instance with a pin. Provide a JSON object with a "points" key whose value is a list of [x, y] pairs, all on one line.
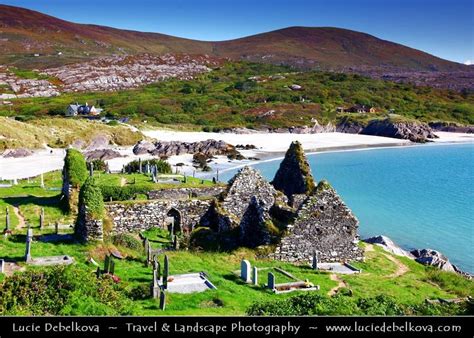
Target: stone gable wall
{"points": [[325, 224]]}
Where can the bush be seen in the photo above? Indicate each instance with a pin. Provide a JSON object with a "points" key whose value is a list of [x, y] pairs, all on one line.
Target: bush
{"points": [[129, 192], [91, 198], [163, 167], [98, 164], [204, 238], [61, 290], [127, 241], [382, 305], [75, 169]]}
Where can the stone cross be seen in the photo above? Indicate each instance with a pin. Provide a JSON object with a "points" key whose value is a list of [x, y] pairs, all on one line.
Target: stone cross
{"points": [[7, 220], [245, 270], [162, 300], [41, 218], [2, 266], [255, 276], [165, 273], [314, 264], [271, 281], [29, 238], [42, 181]]}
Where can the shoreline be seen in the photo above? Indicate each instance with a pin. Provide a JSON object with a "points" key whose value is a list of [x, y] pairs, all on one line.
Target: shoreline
{"points": [[270, 147]]}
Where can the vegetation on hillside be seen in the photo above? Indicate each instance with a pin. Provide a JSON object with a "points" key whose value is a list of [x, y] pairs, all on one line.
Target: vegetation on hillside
{"points": [[31, 132], [229, 97]]}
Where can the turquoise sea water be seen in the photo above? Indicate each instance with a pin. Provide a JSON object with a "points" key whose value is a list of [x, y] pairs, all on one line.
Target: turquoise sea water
{"points": [[421, 196]]}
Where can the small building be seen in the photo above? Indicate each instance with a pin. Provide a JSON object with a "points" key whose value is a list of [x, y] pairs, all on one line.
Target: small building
{"points": [[361, 108], [76, 109]]}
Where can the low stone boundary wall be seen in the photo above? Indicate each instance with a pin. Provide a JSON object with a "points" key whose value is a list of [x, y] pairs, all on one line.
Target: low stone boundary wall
{"points": [[140, 216], [184, 193]]}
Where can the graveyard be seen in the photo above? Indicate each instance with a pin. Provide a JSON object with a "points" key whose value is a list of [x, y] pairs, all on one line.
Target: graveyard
{"points": [[166, 244]]}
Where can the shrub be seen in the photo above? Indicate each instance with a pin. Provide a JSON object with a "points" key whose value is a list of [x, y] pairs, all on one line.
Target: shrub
{"points": [[61, 290], [127, 241], [75, 168], [98, 164], [91, 198], [128, 192], [162, 166], [204, 238]]}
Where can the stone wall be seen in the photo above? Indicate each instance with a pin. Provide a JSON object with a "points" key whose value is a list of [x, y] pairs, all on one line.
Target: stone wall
{"points": [[185, 193], [144, 215], [87, 228], [325, 224]]}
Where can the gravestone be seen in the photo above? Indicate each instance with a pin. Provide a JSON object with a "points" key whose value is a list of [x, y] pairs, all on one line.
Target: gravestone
{"points": [[162, 300], [91, 169], [140, 170], [148, 255], [255, 276], [2, 266], [7, 220], [42, 181], [155, 262], [165, 273], [29, 238], [314, 264], [146, 244], [107, 264], [158, 269], [112, 266], [155, 288], [175, 242], [98, 273], [271, 281], [56, 227], [41, 218], [245, 270]]}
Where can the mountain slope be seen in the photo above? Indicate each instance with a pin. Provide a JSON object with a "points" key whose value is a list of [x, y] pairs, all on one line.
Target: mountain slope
{"points": [[24, 33]]}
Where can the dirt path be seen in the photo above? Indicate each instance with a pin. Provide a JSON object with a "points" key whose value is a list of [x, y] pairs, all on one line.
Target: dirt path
{"points": [[340, 284], [401, 268], [21, 219]]}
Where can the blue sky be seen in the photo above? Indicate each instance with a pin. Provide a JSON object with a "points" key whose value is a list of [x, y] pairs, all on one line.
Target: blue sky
{"points": [[443, 28]]}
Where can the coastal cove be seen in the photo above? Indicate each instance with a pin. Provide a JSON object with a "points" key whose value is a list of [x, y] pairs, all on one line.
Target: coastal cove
{"points": [[420, 196]]}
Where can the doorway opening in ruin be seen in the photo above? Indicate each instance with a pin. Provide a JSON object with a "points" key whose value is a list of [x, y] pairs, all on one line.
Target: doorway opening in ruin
{"points": [[174, 221]]}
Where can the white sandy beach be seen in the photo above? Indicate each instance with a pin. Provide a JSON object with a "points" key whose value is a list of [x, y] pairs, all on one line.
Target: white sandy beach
{"points": [[268, 146]]}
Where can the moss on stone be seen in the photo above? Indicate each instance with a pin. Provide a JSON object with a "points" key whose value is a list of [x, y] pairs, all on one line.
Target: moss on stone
{"points": [[75, 168], [91, 198]]}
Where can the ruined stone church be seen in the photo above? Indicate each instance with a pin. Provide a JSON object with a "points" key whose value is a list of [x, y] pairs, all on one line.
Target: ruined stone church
{"points": [[292, 215]]}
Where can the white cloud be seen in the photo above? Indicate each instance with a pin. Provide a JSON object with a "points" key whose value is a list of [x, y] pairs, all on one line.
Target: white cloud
{"points": [[469, 62]]}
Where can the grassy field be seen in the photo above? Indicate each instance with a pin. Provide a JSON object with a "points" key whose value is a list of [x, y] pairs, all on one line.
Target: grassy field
{"points": [[228, 97]]}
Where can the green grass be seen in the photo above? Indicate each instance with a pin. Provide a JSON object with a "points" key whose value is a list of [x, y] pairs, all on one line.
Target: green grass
{"points": [[233, 296]]}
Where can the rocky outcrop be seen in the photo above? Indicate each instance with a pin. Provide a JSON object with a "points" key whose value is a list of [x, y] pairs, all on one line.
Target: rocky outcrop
{"points": [[325, 224], [433, 258], [101, 154], [248, 183], [16, 153], [294, 174], [254, 224], [388, 245], [352, 127], [451, 127], [413, 131], [170, 148]]}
